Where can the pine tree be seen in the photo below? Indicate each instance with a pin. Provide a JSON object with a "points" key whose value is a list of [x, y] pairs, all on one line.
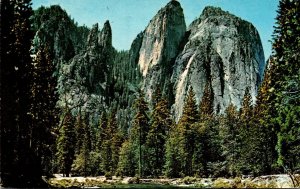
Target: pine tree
{"points": [[116, 141], [246, 111], [255, 143], [286, 45], [206, 137], [79, 130], [110, 141], [182, 138], [86, 146], [65, 144], [157, 135], [127, 165], [263, 131], [82, 164], [43, 108], [139, 130], [175, 152], [230, 140], [20, 165], [206, 105]]}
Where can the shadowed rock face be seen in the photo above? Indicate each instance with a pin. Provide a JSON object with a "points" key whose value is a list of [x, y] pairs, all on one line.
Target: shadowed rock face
{"points": [[159, 47], [224, 50], [92, 65]]}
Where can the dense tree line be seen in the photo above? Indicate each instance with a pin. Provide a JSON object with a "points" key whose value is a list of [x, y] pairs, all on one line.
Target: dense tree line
{"points": [[27, 100], [131, 137]]}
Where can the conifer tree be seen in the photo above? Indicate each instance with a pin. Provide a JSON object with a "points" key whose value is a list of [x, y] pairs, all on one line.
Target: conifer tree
{"points": [[65, 144], [43, 108], [182, 138], [20, 165], [157, 135], [230, 140], [175, 152], [246, 111], [263, 127], [110, 142], [207, 142], [127, 165], [139, 130], [116, 140], [82, 164], [206, 105], [86, 146], [79, 130], [286, 45], [254, 141]]}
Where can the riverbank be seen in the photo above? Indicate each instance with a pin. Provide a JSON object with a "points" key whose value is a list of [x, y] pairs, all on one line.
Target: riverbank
{"points": [[268, 181]]}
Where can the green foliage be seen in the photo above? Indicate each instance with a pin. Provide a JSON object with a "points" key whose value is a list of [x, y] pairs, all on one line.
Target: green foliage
{"points": [[230, 140], [256, 140], [175, 152], [286, 45], [127, 160], [157, 136], [20, 161], [181, 142], [43, 110], [65, 144], [110, 141], [207, 106], [139, 131]]}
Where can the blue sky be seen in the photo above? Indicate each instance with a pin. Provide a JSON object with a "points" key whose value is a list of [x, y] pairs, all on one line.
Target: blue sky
{"points": [[129, 17]]}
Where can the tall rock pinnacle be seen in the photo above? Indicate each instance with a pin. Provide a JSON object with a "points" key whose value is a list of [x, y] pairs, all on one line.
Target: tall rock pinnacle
{"points": [[159, 47], [224, 50]]}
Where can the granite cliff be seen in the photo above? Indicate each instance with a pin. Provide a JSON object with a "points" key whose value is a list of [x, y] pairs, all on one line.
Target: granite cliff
{"points": [[217, 48], [223, 50], [160, 46]]}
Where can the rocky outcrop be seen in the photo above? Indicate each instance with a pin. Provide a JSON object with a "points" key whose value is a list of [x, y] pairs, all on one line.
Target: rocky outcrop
{"points": [[221, 49], [159, 47], [54, 28], [91, 66]]}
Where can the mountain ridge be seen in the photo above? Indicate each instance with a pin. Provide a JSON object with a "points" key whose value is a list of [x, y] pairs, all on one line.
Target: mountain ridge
{"points": [[168, 56]]}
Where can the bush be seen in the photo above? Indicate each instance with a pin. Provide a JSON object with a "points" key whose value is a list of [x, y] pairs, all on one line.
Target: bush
{"points": [[189, 180], [221, 183], [108, 175]]}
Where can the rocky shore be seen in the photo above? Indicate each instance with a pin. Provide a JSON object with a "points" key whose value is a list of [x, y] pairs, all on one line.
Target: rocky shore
{"points": [[267, 181]]}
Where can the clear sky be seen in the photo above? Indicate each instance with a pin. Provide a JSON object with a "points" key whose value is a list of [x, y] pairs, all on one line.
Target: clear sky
{"points": [[129, 17]]}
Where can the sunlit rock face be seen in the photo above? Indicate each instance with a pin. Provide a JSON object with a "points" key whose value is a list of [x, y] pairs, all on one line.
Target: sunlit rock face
{"points": [[224, 50], [160, 46]]}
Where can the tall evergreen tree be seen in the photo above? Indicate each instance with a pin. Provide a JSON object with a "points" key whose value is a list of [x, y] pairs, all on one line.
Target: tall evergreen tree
{"points": [[230, 140], [20, 165], [157, 135], [110, 141], [65, 144], [127, 165], [43, 108], [286, 45], [264, 112], [101, 130], [246, 110], [207, 150], [255, 141], [139, 130], [79, 130], [207, 105], [184, 140], [82, 164]]}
